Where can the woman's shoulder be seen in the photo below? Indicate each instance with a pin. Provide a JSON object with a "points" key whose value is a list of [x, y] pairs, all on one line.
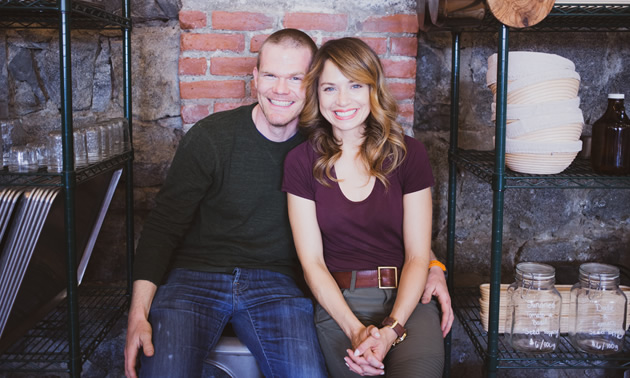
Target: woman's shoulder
{"points": [[413, 143], [415, 169], [303, 150], [415, 149]]}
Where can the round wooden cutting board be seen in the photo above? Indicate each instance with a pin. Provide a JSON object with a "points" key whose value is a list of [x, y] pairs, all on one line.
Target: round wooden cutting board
{"points": [[520, 13]]}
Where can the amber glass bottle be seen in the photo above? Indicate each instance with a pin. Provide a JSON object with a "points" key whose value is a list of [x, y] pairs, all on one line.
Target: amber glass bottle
{"points": [[610, 150]]}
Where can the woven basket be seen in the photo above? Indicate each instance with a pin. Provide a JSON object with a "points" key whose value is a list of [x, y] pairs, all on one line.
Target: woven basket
{"points": [[543, 158], [548, 127], [528, 63], [545, 91], [570, 132], [518, 111]]}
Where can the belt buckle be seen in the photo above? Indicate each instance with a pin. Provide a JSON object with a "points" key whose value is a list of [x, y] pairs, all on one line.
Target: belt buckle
{"points": [[380, 286]]}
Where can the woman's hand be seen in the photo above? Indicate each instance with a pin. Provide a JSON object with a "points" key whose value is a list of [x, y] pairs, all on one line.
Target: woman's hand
{"points": [[371, 345]]}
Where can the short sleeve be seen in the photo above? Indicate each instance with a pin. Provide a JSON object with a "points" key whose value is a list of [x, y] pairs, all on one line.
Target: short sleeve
{"points": [[298, 172], [415, 171]]}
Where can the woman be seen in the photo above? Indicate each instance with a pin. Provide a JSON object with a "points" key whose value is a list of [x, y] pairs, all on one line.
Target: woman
{"points": [[359, 196]]}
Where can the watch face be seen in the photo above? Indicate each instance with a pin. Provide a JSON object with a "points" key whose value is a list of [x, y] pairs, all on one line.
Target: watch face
{"points": [[400, 339]]}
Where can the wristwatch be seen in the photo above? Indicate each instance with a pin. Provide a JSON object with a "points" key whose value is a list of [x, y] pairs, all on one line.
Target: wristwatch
{"points": [[399, 329]]}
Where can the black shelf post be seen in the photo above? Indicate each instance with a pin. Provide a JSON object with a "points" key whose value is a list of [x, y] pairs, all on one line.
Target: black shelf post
{"points": [[452, 183], [69, 184], [129, 165], [498, 188]]}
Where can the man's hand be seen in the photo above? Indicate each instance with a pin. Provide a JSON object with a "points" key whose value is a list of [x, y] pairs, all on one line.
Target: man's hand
{"points": [[139, 331], [436, 286], [138, 336]]}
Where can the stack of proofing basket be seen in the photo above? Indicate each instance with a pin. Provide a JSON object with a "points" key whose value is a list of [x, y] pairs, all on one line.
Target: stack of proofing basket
{"points": [[544, 120]]}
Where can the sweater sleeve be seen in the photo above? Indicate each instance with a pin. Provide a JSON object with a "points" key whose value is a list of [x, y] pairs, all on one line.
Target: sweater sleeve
{"points": [[188, 180]]}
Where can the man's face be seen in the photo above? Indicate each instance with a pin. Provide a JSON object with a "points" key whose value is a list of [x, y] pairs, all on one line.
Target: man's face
{"points": [[279, 82]]}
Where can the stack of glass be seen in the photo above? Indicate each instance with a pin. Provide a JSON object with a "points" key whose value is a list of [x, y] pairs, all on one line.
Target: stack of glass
{"points": [[92, 143]]}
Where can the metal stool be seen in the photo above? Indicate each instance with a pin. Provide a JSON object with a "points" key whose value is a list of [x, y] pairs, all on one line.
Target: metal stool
{"points": [[233, 358]]}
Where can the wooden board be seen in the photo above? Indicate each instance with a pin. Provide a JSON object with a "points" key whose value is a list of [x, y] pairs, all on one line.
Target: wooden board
{"points": [[520, 13]]}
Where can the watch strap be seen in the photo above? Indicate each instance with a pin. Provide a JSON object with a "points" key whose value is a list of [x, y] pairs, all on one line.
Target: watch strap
{"points": [[397, 327]]}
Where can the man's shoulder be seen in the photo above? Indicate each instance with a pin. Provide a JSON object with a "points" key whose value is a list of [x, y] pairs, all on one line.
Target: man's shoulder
{"points": [[226, 121]]}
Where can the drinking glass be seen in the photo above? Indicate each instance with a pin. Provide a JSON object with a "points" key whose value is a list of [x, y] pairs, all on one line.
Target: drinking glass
{"points": [[22, 159], [55, 151], [40, 153], [94, 144], [106, 150], [80, 148]]}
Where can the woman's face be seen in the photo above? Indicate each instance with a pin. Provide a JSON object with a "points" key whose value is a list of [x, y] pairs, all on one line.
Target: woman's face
{"points": [[343, 102]]}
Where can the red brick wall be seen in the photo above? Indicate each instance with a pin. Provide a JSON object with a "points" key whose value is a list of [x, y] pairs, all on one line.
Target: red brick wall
{"points": [[218, 53]]}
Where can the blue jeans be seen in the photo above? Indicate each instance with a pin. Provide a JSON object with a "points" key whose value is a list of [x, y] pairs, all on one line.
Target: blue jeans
{"points": [[268, 312]]}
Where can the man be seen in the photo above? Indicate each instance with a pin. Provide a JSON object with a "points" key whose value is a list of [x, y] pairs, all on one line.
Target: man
{"points": [[218, 249]]}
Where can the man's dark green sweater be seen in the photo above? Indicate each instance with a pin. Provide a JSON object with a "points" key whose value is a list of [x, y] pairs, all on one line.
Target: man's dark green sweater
{"points": [[221, 206]]}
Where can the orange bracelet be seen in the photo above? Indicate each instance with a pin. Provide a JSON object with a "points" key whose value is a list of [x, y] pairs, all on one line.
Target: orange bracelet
{"points": [[433, 263]]}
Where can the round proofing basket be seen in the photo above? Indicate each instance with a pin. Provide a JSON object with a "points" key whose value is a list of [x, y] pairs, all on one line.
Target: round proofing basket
{"points": [[540, 157], [528, 81], [525, 147], [543, 124], [547, 91], [527, 63], [520, 111], [570, 132], [539, 164]]}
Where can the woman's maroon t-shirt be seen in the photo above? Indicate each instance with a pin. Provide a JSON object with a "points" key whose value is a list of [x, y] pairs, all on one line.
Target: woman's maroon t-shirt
{"points": [[366, 234]]}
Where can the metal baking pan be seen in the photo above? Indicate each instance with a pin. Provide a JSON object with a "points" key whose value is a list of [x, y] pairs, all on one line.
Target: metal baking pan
{"points": [[33, 261]]}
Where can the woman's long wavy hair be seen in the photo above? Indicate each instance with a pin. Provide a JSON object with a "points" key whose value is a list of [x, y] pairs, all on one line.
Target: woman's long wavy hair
{"points": [[383, 148]]}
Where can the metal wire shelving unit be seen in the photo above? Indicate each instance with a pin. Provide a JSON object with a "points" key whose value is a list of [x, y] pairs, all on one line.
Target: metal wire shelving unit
{"points": [[44, 14], [45, 178], [64, 339], [45, 346], [490, 167], [572, 17], [579, 175], [467, 309]]}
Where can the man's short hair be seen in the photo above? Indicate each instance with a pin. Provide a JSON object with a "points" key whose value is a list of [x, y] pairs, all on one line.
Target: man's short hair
{"points": [[290, 38]]}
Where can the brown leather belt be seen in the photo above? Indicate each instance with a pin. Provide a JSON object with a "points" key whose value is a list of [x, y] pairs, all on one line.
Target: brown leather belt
{"points": [[385, 277]]}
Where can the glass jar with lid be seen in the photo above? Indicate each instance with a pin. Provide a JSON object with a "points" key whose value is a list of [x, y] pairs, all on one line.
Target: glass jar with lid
{"points": [[597, 321], [533, 309]]}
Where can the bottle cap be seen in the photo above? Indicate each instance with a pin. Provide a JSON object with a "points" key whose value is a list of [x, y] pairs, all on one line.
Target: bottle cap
{"points": [[616, 96]]}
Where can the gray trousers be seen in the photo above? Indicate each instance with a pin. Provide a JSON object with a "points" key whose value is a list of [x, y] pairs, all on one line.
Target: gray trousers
{"points": [[421, 354]]}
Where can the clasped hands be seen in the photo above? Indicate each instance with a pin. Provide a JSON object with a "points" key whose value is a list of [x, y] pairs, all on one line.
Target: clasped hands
{"points": [[371, 345]]}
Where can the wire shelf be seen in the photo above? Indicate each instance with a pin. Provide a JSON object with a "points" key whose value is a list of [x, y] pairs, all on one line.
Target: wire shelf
{"points": [[45, 178], [466, 307], [45, 347], [44, 14], [579, 175], [569, 17]]}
